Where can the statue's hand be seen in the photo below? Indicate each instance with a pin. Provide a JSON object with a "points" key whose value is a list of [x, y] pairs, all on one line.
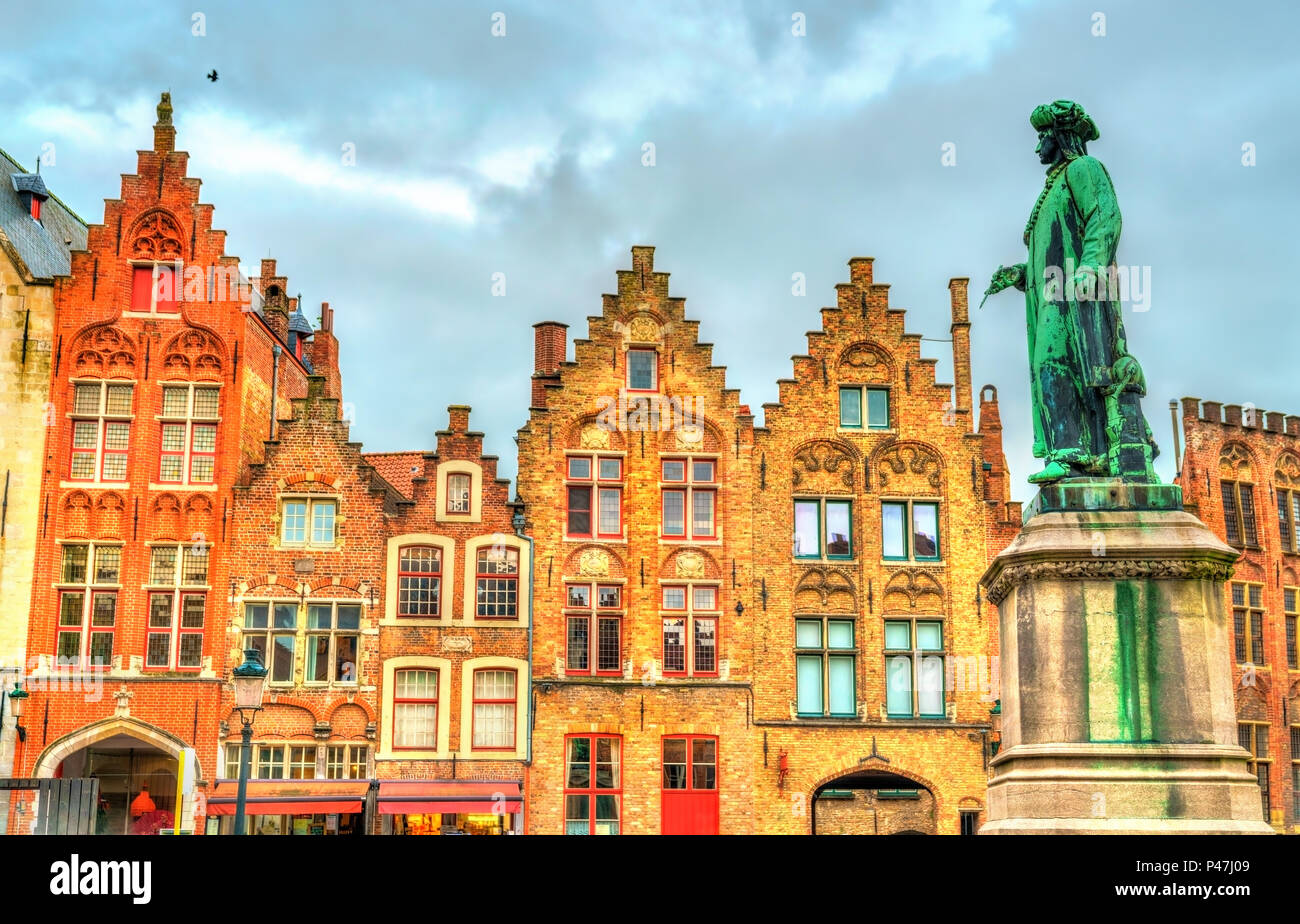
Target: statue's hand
{"points": [[1004, 277]]}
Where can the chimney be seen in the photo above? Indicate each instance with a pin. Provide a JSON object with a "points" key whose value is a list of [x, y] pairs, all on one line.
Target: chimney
{"points": [[550, 346], [164, 133], [458, 418], [323, 350], [961, 344], [275, 304], [997, 486], [860, 271]]}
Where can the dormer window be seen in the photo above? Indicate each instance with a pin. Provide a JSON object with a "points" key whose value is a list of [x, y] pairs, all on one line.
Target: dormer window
{"points": [[36, 208], [642, 370], [31, 191]]}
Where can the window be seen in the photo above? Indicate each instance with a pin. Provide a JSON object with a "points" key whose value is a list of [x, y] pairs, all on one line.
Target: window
{"points": [[592, 785], [1289, 605], [178, 577], [690, 763], [914, 668], [601, 604], [642, 370], [825, 667], [458, 487], [419, 580], [689, 499], [346, 762], [970, 822], [189, 434], [1239, 513], [1288, 518], [910, 529], [101, 431], [690, 624], [1295, 771], [90, 576], [1248, 622], [415, 709], [333, 634], [877, 404], [232, 762], [305, 521], [277, 761], [494, 710], [1253, 736], [812, 539], [497, 590], [605, 490], [269, 627], [154, 288]]}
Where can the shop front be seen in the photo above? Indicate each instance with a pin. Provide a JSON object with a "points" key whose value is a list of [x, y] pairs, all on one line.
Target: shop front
{"points": [[450, 807], [324, 807]]}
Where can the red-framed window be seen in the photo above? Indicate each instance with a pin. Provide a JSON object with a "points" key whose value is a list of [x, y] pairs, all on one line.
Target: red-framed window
{"points": [[594, 497], [593, 784], [643, 370], [495, 702], [188, 451], [415, 710], [691, 617], [689, 799], [178, 578], [101, 431], [89, 580], [458, 490], [155, 287], [689, 498], [593, 620], [419, 581], [497, 583]]}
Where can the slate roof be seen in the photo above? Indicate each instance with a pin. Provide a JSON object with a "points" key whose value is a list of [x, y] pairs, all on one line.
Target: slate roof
{"points": [[299, 323], [44, 246]]}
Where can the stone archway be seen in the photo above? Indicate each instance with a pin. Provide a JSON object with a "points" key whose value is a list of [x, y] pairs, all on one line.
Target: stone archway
{"points": [[874, 800], [135, 763]]}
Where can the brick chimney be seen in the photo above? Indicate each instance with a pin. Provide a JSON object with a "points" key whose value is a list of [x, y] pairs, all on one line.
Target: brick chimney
{"points": [[275, 304], [164, 133], [860, 271], [997, 486], [961, 344], [458, 418], [550, 347], [323, 351]]}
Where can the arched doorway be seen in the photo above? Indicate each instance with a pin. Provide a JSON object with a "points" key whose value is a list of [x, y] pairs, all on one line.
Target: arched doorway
{"points": [[873, 802], [135, 764]]}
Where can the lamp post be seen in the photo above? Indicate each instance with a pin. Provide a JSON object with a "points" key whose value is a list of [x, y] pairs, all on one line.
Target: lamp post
{"points": [[17, 699], [249, 679]]}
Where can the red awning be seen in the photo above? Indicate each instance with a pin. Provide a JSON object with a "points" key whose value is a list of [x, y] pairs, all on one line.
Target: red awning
{"points": [[290, 797], [419, 797]]}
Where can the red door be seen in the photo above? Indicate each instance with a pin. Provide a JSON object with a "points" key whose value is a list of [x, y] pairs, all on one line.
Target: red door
{"points": [[690, 785]]}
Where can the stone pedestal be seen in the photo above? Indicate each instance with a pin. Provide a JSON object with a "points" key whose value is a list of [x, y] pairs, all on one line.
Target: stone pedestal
{"points": [[1117, 687]]}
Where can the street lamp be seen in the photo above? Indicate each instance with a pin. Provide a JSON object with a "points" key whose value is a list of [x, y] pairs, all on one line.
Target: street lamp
{"points": [[249, 679], [17, 699]]}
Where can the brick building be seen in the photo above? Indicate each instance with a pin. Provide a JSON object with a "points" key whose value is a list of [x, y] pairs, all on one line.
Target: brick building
{"points": [[877, 507], [453, 632], [636, 467], [37, 236], [164, 364], [1240, 474]]}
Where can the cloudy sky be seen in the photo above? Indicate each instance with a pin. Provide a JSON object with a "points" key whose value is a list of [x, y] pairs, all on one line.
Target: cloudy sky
{"points": [[775, 153]]}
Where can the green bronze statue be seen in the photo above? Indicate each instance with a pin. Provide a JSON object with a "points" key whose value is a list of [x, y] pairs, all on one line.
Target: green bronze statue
{"points": [[1085, 387]]}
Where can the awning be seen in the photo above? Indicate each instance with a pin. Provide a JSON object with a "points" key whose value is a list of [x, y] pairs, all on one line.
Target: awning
{"points": [[290, 797], [420, 797]]}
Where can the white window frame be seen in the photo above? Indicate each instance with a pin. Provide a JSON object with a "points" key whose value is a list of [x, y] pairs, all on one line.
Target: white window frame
{"points": [[333, 633], [176, 589], [310, 502]]}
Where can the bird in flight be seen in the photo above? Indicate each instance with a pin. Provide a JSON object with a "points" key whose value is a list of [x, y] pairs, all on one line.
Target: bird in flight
{"points": [[212, 75]]}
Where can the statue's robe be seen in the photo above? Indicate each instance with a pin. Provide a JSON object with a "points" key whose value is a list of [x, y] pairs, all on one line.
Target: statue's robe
{"points": [[1073, 341]]}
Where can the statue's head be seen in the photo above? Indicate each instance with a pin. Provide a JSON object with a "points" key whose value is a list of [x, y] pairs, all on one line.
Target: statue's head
{"points": [[1064, 131]]}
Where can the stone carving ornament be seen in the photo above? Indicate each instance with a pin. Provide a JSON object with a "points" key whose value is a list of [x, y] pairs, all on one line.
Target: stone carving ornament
{"points": [[1106, 569]]}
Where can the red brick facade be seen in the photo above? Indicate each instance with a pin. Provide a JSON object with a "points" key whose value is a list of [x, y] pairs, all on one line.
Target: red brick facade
{"points": [[1241, 475], [132, 564]]}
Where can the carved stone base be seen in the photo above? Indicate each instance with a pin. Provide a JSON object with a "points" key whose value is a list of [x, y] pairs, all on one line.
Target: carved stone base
{"points": [[1117, 686]]}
